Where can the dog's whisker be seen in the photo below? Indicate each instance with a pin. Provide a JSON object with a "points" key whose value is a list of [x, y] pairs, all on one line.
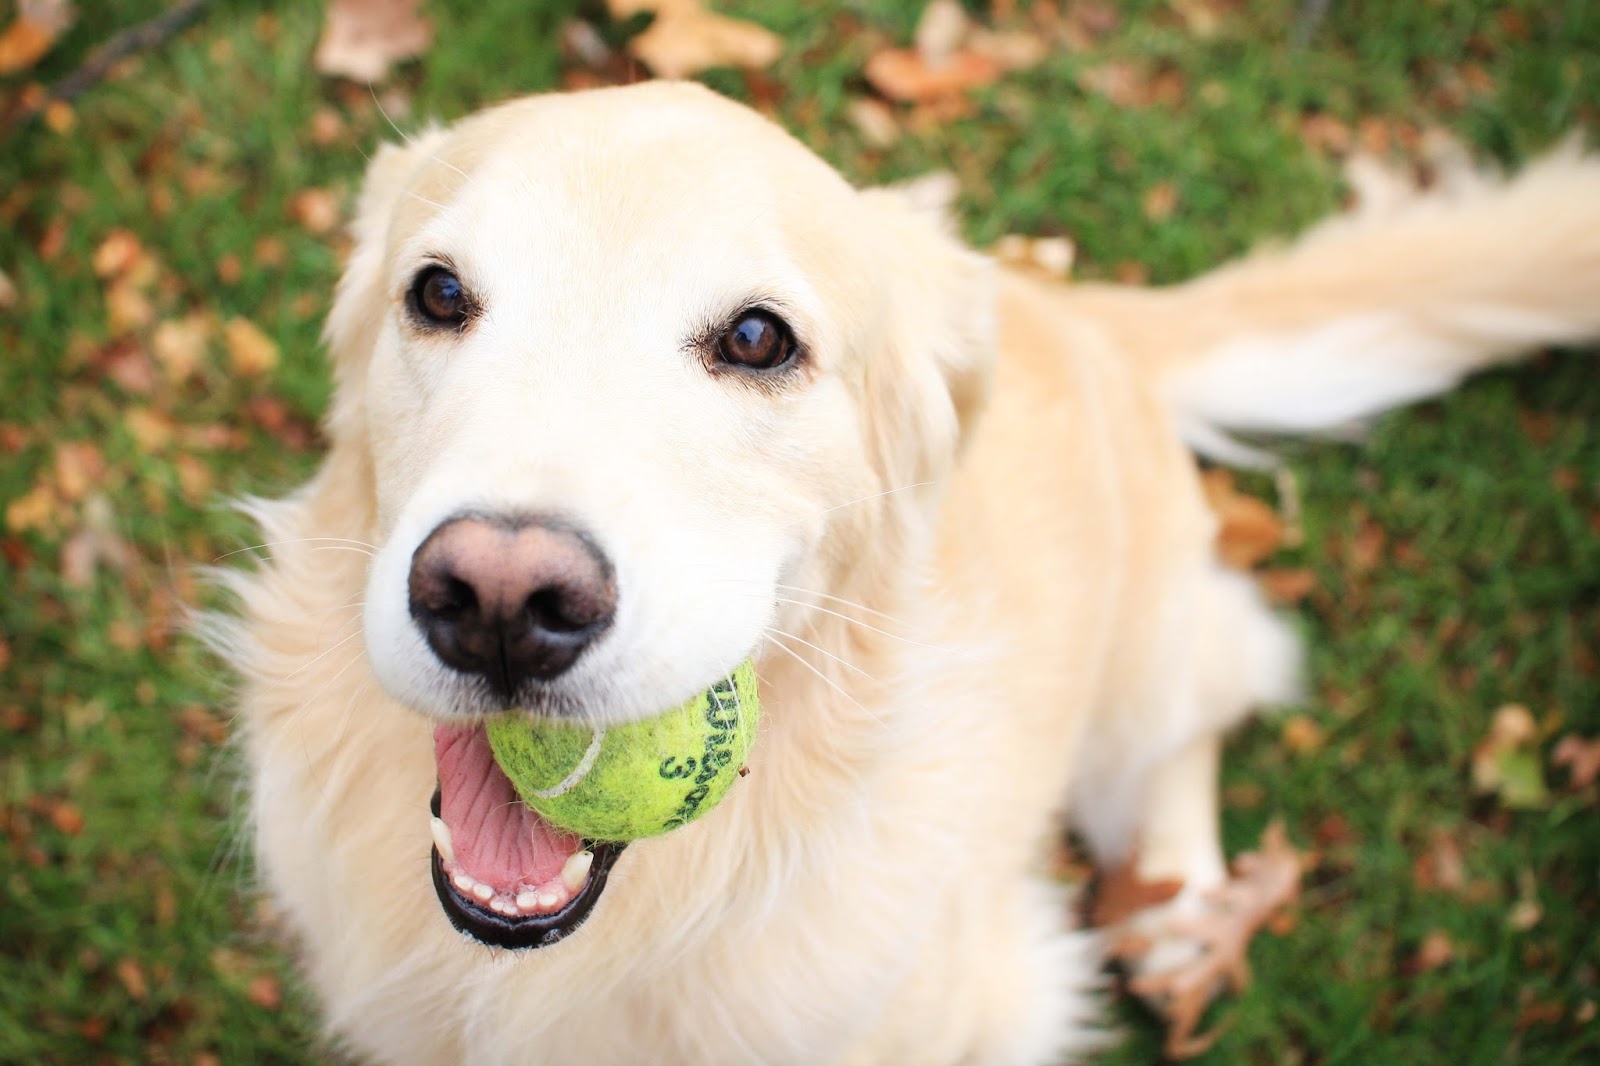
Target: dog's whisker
{"points": [[877, 495], [824, 678], [344, 542], [847, 664], [875, 629], [843, 601], [404, 136]]}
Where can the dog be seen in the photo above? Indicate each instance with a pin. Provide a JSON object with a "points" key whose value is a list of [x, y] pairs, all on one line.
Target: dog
{"points": [[630, 386]]}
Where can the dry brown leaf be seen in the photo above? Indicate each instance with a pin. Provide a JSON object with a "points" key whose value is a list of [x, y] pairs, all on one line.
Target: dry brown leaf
{"points": [[1287, 585], [1051, 256], [251, 352], [327, 127], [1250, 529], [179, 345], [940, 30], [1303, 736], [1580, 756], [152, 431], [902, 74], [1012, 50], [116, 254], [38, 508], [1123, 83], [1119, 894], [67, 818], [685, 38], [361, 38], [97, 544], [1442, 867], [8, 292], [1506, 763], [131, 974], [875, 121], [37, 26], [1436, 950], [1160, 201], [316, 210], [79, 467], [265, 992]]}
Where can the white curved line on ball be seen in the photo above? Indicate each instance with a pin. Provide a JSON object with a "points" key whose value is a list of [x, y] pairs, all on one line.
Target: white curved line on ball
{"points": [[585, 764]]}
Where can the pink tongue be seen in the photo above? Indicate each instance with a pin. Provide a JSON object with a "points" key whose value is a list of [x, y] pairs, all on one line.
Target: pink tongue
{"points": [[496, 837]]}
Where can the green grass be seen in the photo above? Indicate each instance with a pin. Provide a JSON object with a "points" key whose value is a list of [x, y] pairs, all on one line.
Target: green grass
{"points": [[133, 937]]}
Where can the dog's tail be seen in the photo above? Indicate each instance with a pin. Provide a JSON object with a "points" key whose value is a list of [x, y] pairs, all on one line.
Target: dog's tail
{"points": [[1394, 302]]}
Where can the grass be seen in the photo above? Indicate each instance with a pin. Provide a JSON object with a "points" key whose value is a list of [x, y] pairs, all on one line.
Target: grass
{"points": [[1456, 552]]}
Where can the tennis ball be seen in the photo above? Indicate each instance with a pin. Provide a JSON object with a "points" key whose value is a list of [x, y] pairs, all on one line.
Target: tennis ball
{"points": [[624, 782]]}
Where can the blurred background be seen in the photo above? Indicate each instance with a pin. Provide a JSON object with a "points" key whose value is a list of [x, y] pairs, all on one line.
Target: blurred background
{"points": [[171, 216]]}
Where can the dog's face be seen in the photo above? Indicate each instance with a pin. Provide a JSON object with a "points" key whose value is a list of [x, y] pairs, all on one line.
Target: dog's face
{"points": [[622, 363]]}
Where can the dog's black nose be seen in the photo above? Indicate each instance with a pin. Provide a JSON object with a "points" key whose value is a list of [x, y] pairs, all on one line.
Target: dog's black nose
{"points": [[510, 600]]}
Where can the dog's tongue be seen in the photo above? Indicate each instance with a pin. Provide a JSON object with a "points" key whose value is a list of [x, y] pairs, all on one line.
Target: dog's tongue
{"points": [[496, 837]]}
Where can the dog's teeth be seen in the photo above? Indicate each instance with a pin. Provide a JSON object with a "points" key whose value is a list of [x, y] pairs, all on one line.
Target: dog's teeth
{"points": [[442, 841], [464, 883], [528, 901], [548, 901], [482, 891], [505, 907], [576, 870]]}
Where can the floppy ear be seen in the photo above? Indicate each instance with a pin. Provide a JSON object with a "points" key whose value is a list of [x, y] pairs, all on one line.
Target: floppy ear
{"points": [[359, 300], [932, 379]]}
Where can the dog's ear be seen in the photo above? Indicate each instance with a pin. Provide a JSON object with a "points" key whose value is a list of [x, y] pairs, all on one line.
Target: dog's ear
{"points": [[932, 381], [359, 301]]}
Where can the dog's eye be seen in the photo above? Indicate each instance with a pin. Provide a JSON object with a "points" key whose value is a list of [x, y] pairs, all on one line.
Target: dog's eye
{"points": [[757, 339], [439, 297]]}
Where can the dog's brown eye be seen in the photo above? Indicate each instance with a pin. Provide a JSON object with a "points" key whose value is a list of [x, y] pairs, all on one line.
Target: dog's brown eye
{"points": [[758, 340], [439, 297]]}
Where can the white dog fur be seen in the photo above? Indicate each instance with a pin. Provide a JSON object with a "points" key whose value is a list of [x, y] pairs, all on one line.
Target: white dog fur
{"points": [[964, 542]]}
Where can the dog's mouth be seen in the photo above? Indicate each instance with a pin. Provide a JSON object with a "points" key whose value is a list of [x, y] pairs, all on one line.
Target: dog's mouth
{"points": [[504, 875]]}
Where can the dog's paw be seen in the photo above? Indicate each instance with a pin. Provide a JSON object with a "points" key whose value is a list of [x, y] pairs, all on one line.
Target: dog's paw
{"points": [[1189, 947]]}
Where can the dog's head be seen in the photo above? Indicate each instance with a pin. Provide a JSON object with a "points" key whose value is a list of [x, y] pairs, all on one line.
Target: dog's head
{"points": [[631, 368]]}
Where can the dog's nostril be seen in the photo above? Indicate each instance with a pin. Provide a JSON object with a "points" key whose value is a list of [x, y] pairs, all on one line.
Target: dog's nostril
{"points": [[457, 598], [550, 609]]}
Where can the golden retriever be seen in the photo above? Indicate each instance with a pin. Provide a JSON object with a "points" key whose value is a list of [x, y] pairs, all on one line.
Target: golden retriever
{"points": [[631, 386]]}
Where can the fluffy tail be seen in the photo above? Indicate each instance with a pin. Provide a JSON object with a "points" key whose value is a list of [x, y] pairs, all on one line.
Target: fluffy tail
{"points": [[1394, 302]]}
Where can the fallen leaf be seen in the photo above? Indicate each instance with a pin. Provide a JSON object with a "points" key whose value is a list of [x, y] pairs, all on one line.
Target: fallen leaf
{"points": [[127, 308], [1302, 735], [875, 121], [361, 38], [316, 210], [1160, 201], [95, 545], [1580, 756], [67, 818], [79, 467], [116, 254], [1012, 50], [1436, 950], [685, 38], [179, 345], [8, 292], [327, 127], [265, 992], [940, 31], [131, 974], [1250, 529], [1051, 256], [37, 26], [38, 508], [1506, 763], [1441, 867], [151, 430], [1287, 585], [1123, 83], [250, 351], [1120, 893]]}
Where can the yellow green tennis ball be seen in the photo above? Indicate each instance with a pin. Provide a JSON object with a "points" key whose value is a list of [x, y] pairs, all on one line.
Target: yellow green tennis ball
{"points": [[636, 780]]}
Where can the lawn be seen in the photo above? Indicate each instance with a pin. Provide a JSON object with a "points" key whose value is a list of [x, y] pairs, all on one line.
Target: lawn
{"points": [[172, 240]]}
